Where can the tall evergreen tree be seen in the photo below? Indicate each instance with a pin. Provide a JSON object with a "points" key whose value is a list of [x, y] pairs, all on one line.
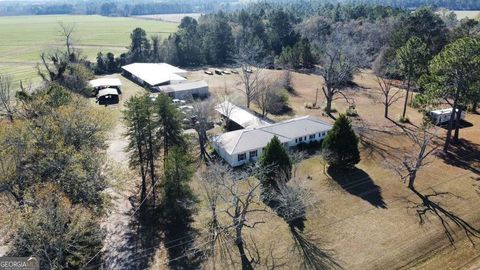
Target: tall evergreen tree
{"points": [[178, 206], [276, 165], [454, 75], [341, 144], [169, 123], [413, 62], [140, 45], [143, 143]]}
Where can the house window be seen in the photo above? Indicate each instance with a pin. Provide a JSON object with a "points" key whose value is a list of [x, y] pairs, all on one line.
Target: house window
{"points": [[253, 154], [242, 157], [296, 140], [301, 139], [312, 136]]}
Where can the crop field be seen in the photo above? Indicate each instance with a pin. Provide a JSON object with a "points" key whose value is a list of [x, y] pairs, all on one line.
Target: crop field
{"points": [[472, 14], [23, 38]]}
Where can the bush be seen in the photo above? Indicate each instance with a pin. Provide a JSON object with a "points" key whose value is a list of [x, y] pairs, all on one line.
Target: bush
{"points": [[351, 111], [278, 103], [310, 147]]}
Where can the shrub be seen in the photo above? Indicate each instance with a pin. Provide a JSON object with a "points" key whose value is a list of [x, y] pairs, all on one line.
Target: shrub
{"points": [[351, 111]]}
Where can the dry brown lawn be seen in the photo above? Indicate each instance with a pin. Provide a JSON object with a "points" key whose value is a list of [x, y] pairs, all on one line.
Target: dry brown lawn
{"points": [[368, 222]]}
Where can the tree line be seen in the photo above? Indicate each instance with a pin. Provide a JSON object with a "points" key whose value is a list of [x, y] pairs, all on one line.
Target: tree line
{"points": [[125, 8]]}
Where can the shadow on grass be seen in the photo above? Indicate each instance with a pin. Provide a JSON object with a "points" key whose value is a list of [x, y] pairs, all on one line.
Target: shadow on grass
{"points": [[134, 244], [447, 218], [146, 234], [358, 183], [463, 124], [312, 255], [464, 154]]}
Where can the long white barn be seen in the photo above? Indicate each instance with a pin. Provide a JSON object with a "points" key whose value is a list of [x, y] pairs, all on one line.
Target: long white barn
{"points": [[246, 145], [154, 74]]}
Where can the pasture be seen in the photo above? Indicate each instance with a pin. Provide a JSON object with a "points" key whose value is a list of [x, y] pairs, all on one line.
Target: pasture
{"points": [[471, 14], [25, 37]]}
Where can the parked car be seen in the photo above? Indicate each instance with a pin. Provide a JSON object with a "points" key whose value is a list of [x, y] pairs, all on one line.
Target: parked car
{"points": [[208, 72], [177, 101], [226, 72], [218, 71], [234, 71]]}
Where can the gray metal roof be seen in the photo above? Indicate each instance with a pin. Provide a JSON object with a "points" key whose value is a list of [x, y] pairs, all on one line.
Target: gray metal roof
{"points": [[240, 116], [107, 91], [186, 86], [241, 141]]}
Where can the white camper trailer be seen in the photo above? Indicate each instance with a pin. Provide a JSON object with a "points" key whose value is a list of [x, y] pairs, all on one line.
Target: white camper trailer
{"points": [[443, 116]]}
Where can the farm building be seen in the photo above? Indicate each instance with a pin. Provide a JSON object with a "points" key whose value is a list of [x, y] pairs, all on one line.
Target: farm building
{"points": [[108, 96], [103, 83], [154, 74], [246, 145], [240, 117], [443, 116], [186, 90]]}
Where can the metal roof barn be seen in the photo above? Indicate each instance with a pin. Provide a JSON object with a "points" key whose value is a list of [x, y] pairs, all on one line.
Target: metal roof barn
{"points": [[105, 83], [240, 116], [154, 74], [186, 90]]}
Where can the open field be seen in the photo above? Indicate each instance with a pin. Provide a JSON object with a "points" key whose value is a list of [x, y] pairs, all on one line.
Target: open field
{"points": [[366, 218], [472, 14], [174, 18], [23, 38]]}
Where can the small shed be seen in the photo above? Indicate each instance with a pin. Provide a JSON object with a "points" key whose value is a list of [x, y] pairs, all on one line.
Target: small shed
{"points": [[108, 96], [443, 116], [186, 90], [102, 83]]}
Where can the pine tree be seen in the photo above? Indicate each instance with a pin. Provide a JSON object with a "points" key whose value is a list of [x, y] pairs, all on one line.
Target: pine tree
{"points": [[276, 165], [341, 144], [169, 123], [178, 206], [143, 143]]}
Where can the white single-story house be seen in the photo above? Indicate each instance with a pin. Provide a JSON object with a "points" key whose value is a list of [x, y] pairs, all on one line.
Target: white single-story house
{"points": [[240, 116], [154, 74], [198, 89], [102, 83], [246, 145], [443, 116]]}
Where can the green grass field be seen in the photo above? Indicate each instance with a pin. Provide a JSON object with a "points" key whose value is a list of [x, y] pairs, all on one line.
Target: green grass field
{"points": [[472, 14], [23, 38]]}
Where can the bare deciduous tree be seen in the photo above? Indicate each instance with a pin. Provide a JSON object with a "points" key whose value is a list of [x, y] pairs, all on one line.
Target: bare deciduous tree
{"points": [[203, 110], [339, 61], [408, 170], [239, 193], [412, 163], [388, 93], [224, 105], [267, 96], [250, 70], [7, 108], [66, 33]]}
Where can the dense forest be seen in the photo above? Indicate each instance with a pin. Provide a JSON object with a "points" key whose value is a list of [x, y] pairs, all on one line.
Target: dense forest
{"points": [[127, 8]]}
